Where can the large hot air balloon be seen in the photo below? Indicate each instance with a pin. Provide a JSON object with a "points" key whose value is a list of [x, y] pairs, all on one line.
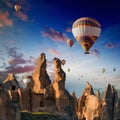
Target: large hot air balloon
{"points": [[17, 7], [69, 42], [86, 31]]}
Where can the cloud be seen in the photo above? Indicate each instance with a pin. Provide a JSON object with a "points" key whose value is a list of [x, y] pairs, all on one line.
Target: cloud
{"points": [[54, 35], [17, 61], [95, 52], [54, 52], [22, 16], [52, 75], [5, 20], [3, 65], [11, 41], [1, 32], [109, 37], [111, 45], [49, 63], [12, 52], [32, 60], [2, 58], [10, 5], [20, 69], [1, 25], [68, 29]]}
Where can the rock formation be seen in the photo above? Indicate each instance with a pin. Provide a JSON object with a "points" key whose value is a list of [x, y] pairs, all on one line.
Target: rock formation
{"points": [[42, 95], [89, 106], [92, 107], [75, 102], [2, 103], [9, 108], [10, 83], [40, 77], [110, 104], [64, 101]]}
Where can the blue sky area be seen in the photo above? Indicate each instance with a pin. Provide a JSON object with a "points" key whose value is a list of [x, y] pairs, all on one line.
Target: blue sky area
{"points": [[44, 25]]}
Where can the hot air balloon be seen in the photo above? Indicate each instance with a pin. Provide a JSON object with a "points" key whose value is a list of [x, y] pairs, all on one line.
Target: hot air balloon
{"points": [[63, 62], [69, 42], [86, 31], [17, 7], [27, 81], [114, 69], [68, 70], [103, 70]]}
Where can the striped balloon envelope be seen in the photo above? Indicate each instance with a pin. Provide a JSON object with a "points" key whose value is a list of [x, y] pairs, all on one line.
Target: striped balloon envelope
{"points": [[17, 7], [86, 30]]}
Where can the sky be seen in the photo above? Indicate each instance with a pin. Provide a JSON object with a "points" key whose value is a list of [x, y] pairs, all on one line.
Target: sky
{"points": [[44, 25]]}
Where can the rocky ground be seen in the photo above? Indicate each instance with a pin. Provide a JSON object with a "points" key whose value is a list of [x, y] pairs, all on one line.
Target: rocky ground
{"points": [[42, 116]]}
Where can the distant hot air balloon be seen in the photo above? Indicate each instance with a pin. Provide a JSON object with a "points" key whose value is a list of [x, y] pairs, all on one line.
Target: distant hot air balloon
{"points": [[86, 31], [26, 79], [63, 62], [68, 70], [114, 69], [69, 42], [103, 70], [81, 76], [17, 7]]}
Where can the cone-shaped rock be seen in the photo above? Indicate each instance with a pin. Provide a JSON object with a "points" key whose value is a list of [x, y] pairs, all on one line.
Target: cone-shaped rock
{"points": [[10, 83], [40, 77]]}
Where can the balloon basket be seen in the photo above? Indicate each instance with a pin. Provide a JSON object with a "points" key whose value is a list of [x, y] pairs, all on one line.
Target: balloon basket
{"points": [[86, 52]]}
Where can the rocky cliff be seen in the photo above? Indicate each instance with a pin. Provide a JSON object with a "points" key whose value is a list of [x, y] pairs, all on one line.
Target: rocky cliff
{"points": [[110, 104], [92, 107], [89, 106]]}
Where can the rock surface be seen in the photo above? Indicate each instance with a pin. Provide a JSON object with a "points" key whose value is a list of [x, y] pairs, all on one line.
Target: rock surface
{"points": [[2, 103], [10, 83], [64, 101], [40, 77], [89, 106], [40, 95], [110, 104]]}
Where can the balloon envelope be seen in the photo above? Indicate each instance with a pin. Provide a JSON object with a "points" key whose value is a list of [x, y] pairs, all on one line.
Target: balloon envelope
{"points": [[68, 69], [114, 69], [69, 42], [17, 7], [103, 70], [86, 31], [27, 79]]}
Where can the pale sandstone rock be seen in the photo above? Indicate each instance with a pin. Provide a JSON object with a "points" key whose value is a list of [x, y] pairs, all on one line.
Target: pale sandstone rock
{"points": [[64, 101], [40, 77], [89, 106], [10, 83]]}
